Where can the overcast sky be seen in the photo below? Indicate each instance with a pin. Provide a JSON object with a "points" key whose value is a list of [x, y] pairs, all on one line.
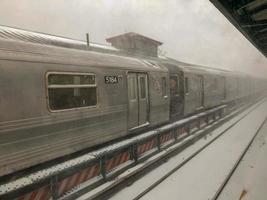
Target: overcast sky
{"points": [[192, 30]]}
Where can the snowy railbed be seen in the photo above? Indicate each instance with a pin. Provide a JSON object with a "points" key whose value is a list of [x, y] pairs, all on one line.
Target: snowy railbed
{"points": [[203, 175]]}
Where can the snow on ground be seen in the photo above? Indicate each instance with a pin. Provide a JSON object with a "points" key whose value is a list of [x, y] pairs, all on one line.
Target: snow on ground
{"points": [[201, 177], [250, 177]]}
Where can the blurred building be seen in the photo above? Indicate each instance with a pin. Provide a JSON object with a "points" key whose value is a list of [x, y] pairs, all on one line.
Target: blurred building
{"points": [[135, 44]]}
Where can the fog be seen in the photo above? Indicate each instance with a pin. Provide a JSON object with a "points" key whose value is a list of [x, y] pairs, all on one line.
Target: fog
{"points": [[193, 31]]}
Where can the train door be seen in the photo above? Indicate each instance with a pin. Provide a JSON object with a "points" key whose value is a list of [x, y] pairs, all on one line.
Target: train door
{"points": [[138, 99], [224, 88], [201, 91], [176, 104]]}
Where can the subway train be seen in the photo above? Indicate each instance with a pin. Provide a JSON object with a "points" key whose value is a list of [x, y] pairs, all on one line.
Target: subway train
{"points": [[55, 101]]}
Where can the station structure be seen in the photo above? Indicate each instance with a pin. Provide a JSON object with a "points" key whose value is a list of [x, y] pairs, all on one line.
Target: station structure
{"points": [[249, 17]]}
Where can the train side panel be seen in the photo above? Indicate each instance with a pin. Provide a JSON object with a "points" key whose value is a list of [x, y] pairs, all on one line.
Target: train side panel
{"points": [[31, 134], [193, 93], [214, 91], [159, 98], [231, 88]]}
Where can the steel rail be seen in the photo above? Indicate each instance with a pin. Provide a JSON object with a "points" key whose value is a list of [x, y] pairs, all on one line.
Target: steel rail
{"points": [[232, 171]]}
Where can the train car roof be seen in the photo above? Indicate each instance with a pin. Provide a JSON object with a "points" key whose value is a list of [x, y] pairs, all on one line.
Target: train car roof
{"points": [[54, 46], [52, 40], [199, 69], [25, 51], [190, 68]]}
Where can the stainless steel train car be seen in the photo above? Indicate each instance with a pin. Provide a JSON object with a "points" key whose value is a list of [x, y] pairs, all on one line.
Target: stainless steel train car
{"points": [[55, 101], [194, 88]]}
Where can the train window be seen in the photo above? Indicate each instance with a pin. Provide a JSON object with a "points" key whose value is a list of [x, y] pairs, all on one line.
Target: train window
{"points": [[69, 79], [142, 87], [214, 84], [164, 89], [132, 87], [186, 83], [71, 90], [174, 84]]}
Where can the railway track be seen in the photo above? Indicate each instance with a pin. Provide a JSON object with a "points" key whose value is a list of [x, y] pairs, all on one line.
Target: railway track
{"points": [[117, 185], [231, 172], [220, 189], [100, 166], [147, 151]]}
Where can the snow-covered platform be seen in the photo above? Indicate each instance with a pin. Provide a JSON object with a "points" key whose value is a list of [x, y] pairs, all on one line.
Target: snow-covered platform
{"points": [[249, 181], [204, 174]]}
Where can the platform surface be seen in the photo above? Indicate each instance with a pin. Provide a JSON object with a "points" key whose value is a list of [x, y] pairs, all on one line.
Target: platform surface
{"points": [[249, 182]]}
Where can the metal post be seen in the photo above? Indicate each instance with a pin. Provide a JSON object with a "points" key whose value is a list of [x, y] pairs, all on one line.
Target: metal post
{"points": [[54, 187], [187, 128], [102, 166], [134, 153], [158, 141], [207, 120], [221, 113], [214, 116], [87, 39], [175, 132]]}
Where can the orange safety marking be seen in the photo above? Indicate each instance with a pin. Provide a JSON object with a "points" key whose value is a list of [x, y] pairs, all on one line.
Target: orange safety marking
{"points": [[78, 178], [146, 146], [46, 194], [71, 182], [117, 160], [113, 162], [166, 137], [143, 148], [61, 187], [108, 163], [33, 195], [120, 160], [202, 121], [181, 130], [84, 175], [125, 157], [150, 146], [194, 125], [40, 194]]}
